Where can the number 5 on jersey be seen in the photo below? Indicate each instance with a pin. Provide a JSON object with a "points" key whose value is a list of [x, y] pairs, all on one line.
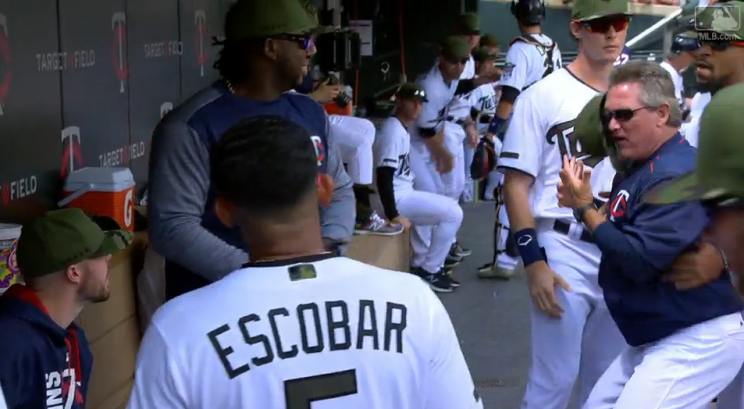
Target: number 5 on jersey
{"points": [[300, 393]]}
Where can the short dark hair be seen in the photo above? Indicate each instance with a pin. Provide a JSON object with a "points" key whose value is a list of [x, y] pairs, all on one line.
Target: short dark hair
{"points": [[265, 165]]}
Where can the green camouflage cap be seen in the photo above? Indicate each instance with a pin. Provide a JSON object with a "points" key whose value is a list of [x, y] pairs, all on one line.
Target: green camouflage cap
{"points": [[455, 47], [62, 238], [719, 172], [248, 19], [585, 10], [469, 23], [411, 91], [482, 54], [489, 40], [722, 18], [589, 129]]}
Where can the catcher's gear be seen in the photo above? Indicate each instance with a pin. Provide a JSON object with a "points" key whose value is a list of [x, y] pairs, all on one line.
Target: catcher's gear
{"points": [[484, 160], [528, 12], [499, 229]]}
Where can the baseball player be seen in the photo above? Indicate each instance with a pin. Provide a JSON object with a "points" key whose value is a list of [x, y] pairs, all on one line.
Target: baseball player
{"points": [[399, 202], [531, 57], [573, 335], [430, 157], [685, 346], [296, 327], [678, 59], [483, 102]]}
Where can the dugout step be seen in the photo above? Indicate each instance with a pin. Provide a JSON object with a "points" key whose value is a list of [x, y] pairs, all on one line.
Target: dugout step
{"points": [[390, 252]]}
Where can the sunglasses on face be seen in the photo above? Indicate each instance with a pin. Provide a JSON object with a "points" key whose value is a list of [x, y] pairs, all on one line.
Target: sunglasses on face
{"points": [[456, 61], [721, 45], [304, 41], [602, 25], [622, 115]]}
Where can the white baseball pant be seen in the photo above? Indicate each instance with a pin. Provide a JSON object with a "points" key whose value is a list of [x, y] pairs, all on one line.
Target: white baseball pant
{"points": [[684, 370], [441, 214], [495, 178], [454, 182], [426, 179], [580, 345], [354, 137]]}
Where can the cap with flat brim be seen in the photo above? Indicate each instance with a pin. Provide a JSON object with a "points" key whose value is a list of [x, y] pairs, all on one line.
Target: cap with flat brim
{"points": [[247, 19], [114, 241], [455, 47], [411, 91], [586, 10]]}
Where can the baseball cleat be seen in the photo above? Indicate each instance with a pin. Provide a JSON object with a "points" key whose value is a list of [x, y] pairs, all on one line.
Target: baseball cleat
{"points": [[491, 271], [378, 226], [460, 251]]}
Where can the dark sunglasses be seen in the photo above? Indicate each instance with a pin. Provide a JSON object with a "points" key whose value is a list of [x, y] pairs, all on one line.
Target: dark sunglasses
{"points": [[721, 45], [622, 115], [455, 61], [305, 41], [603, 24]]}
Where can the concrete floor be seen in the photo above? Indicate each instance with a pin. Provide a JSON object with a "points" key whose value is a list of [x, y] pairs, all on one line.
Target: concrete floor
{"points": [[491, 317]]}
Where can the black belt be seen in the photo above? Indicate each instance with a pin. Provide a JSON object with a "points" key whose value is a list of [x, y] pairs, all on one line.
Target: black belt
{"points": [[563, 227], [456, 121], [486, 119]]}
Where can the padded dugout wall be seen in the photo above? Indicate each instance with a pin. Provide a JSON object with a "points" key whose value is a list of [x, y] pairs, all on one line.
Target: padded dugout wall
{"points": [[84, 82]]}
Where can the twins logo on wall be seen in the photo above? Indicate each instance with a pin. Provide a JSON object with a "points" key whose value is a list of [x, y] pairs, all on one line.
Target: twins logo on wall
{"points": [[72, 155], [5, 60], [119, 47], [202, 33]]}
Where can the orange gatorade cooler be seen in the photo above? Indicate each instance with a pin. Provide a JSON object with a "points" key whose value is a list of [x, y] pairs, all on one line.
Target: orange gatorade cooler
{"points": [[102, 192], [9, 275]]}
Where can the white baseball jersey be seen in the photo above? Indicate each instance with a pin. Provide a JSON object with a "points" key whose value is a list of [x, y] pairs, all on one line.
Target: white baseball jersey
{"points": [[469, 71], [392, 148], [678, 81], [330, 333], [484, 100], [541, 132], [527, 63], [435, 111], [691, 129]]}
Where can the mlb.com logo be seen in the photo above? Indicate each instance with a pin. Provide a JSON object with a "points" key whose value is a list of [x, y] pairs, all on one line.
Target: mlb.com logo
{"points": [[718, 23]]}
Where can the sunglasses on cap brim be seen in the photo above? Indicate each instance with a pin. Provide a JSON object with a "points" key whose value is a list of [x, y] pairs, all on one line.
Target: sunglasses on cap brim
{"points": [[602, 25]]}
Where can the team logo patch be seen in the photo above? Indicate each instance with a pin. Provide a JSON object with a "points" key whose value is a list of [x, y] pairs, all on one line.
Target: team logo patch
{"points": [[619, 205], [302, 272], [508, 69]]}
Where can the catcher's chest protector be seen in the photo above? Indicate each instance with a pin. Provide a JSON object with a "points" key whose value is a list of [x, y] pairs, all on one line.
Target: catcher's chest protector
{"points": [[547, 51]]}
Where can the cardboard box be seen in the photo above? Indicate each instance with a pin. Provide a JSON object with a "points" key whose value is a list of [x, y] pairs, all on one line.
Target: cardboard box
{"points": [[390, 252], [113, 332]]}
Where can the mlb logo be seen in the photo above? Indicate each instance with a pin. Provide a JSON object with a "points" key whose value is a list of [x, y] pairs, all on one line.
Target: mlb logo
{"points": [[720, 22]]}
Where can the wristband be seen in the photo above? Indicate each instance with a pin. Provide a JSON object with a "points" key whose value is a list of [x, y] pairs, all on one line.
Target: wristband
{"points": [[528, 247], [495, 125]]}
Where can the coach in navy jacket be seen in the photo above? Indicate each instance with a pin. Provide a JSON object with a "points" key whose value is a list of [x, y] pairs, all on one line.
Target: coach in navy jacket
{"points": [[266, 52], [639, 241], [46, 361]]}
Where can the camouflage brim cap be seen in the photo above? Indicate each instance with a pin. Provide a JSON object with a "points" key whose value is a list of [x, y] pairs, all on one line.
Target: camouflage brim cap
{"points": [[720, 158], [469, 23], [455, 47], [411, 91], [585, 10], [248, 19], [489, 40], [589, 129], [62, 238], [723, 19], [482, 54]]}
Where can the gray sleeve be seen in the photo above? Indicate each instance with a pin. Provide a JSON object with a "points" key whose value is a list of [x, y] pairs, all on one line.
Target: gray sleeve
{"points": [[337, 220], [178, 187]]}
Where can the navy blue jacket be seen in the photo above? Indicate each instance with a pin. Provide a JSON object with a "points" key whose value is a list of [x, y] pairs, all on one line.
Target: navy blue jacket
{"points": [[642, 240], [40, 359]]}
